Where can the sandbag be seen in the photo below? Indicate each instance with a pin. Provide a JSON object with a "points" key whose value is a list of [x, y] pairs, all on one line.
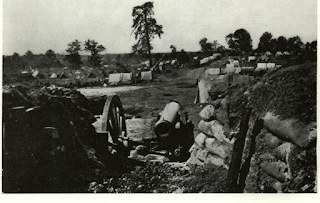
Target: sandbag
{"points": [[222, 117], [282, 152], [212, 129], [267, 157], [216, 147], [194, 161], [207, 113], [214, 159], [278, 170], [290, 130], [200, 140], [272, 141], [201, 154]]}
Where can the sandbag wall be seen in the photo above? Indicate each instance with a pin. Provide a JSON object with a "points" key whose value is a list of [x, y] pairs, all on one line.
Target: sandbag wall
{"points": [[212, 145], [285, 157]]}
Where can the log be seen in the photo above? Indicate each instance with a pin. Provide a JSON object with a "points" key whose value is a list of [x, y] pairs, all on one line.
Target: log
{"points": [[234, 167]]}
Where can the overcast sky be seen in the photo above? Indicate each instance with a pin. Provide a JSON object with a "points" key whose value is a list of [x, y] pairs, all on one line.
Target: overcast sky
{"points": [[39, 25]]}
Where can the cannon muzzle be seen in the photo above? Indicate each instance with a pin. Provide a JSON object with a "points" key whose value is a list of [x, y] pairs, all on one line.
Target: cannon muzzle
{"points": [[168, 119]]}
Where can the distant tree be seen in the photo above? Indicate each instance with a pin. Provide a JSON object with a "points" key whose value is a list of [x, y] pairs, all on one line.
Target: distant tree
{"points": [[29, 55], [73, 55], [206, 47], [95, 49], [313, 46], [221, 49], [17, 61], [265, 42], [183, 57], [282, 44], [145, 28], [215, 45], [240, 41], [173, 51], [51, 57], [29, 59], [295, 44], [273, 45]]}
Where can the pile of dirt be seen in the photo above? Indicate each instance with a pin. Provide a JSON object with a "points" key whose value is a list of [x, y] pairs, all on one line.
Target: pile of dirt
{"points": [[50, 144], [289, 92]]}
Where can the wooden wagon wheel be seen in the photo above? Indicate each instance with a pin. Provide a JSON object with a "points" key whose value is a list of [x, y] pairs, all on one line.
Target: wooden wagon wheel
{"points": [[113, 121]]}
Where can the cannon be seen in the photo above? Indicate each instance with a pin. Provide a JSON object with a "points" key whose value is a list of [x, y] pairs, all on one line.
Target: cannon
{"points": [[174, 133]]}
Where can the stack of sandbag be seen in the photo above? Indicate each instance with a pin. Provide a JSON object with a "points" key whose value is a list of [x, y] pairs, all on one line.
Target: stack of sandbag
{"points": [[211, 145], [290, 162]]}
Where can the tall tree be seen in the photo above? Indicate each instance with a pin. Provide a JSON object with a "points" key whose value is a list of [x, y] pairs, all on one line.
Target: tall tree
{"points": [[240, 40], [74, 56], [95, 49], [145, 28], [265, 42]]}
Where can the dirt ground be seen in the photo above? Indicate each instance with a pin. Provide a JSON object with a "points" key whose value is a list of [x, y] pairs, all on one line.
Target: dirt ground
{"points": [[286, 93]]}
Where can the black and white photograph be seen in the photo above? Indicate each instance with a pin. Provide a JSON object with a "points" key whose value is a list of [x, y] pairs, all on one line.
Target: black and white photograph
{"points": [[161, 96]]}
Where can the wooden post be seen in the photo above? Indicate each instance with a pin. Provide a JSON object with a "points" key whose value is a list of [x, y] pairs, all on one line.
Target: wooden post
{"points": [[234, 167], [258, 125]]}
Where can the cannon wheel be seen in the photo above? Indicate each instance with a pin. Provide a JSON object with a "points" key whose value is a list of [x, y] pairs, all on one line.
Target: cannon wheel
{"points": [[113, 121]]}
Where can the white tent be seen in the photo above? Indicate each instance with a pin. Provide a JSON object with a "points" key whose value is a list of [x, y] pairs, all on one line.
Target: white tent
{"points": [[127, 78], [278, 54], [237, 70], [114, 78], [213, 71], [286, 53], [271, 65], [251, 58], [229, 65], [146, 75], [54, 76], [35, 73], [261, 67]]}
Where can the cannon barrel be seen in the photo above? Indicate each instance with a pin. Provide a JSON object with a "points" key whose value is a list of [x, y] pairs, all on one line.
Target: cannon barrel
{"points": [[168, 119]]}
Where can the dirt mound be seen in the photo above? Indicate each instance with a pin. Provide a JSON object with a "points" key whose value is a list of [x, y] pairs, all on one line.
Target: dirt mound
{"points": [[289, 92], [49, 141]]}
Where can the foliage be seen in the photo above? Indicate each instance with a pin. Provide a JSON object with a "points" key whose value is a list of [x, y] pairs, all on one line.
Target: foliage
{"points": [[73, 49], [183, 57], [145, 28], [206, 47], [173, 51], [282, 44], [265, 43], [295, 44], [93, 47], [240, 41]]}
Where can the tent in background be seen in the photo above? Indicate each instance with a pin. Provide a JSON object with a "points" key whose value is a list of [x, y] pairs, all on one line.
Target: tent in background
{"points": [[146, 75]]}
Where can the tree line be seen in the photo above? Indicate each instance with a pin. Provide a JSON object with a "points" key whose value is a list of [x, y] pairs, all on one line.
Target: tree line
{"points": [[50, 59], [145, 28], [240, 43]]}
